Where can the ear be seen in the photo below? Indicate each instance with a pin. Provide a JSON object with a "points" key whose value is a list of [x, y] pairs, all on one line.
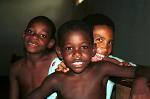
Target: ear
{"points": [[51, 43], [94, 50], [58, 51]]}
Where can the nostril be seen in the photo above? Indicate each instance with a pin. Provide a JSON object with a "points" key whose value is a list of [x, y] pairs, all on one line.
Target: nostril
{"points": [[77, 56]]}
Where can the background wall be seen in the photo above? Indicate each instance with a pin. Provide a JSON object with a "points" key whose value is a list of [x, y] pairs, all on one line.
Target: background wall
{"points": [[14, 16], [132, 21]]}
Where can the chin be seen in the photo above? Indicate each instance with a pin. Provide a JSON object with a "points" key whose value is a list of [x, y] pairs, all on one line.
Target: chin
{"points": [[78, 70]]}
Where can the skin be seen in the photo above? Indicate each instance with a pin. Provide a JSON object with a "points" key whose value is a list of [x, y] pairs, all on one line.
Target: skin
{"points": [[29, 72], [103, 39], [76, 54], [140, 89]]}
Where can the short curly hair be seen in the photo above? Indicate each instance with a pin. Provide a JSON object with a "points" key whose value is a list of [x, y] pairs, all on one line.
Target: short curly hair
{"points": [[72, 25], [99, 19]]}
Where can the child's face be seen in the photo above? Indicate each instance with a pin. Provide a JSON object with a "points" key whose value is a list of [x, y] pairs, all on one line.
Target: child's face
{"points": [[36, 38], [103, 39], [77, 51]]}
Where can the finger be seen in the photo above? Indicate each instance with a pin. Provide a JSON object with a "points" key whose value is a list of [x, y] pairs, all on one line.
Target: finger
{"points": [[66, 70], [59, 68]]}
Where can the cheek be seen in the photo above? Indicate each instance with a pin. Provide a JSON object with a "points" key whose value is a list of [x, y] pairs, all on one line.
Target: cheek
{"points": [[43, 42], [67, 57], [88, 55], [98, 44], [98, 47], [27, 37]]}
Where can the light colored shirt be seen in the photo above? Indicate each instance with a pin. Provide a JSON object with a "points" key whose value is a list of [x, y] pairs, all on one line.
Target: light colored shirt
{"points": [[52, 69]]}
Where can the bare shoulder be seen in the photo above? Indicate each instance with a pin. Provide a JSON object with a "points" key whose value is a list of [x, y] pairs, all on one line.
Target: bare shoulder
{"points": [[55, 79], [51, 56], [15, 67], [56, 76]]}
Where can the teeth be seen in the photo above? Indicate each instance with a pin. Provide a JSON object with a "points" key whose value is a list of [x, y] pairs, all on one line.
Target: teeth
{"points": [[77, 63], [33, 44], [100, 55]]}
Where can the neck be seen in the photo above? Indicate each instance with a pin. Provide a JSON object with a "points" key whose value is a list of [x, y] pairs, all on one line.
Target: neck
{"points": [[34, 57]]}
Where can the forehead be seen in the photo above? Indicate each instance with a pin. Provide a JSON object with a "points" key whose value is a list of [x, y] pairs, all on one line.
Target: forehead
{"points": [[102, 30], [38, 24], [40, 27], [75, 36]]}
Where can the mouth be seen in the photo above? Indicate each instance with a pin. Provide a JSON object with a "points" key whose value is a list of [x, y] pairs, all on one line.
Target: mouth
{"points": [[101, 52], [100, 55], [77, 64], [33, 44]]}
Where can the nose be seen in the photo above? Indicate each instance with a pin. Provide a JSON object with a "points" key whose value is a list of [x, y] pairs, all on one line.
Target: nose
{"points": [[35, 36], [77, 54], [104, 45], [102, 48]]}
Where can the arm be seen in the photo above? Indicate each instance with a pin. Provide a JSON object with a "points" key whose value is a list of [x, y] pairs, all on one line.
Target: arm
{"points": [[115, 70], [61, 67], [112, 69], [46, 88], [143, 71], [14, 86], [121, 61]]}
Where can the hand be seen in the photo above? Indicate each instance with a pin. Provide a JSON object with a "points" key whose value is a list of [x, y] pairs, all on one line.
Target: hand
{"points": [[62, 68], [140, 89]]}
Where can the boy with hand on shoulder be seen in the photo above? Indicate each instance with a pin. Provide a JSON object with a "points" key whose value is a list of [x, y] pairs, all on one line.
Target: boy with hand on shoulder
{"points": [[103, 30], [28, 73], [85, 79]]}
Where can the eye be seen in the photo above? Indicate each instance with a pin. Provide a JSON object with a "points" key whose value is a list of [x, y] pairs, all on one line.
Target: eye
{"points": [[68, 48], [29, 32], [110, 42], [84, 47], [99, 39], [42, 36]]}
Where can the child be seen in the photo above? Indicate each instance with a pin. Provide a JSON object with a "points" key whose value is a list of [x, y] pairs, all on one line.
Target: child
{"points": [[28, 73], [103, 30], [85, 79]]}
